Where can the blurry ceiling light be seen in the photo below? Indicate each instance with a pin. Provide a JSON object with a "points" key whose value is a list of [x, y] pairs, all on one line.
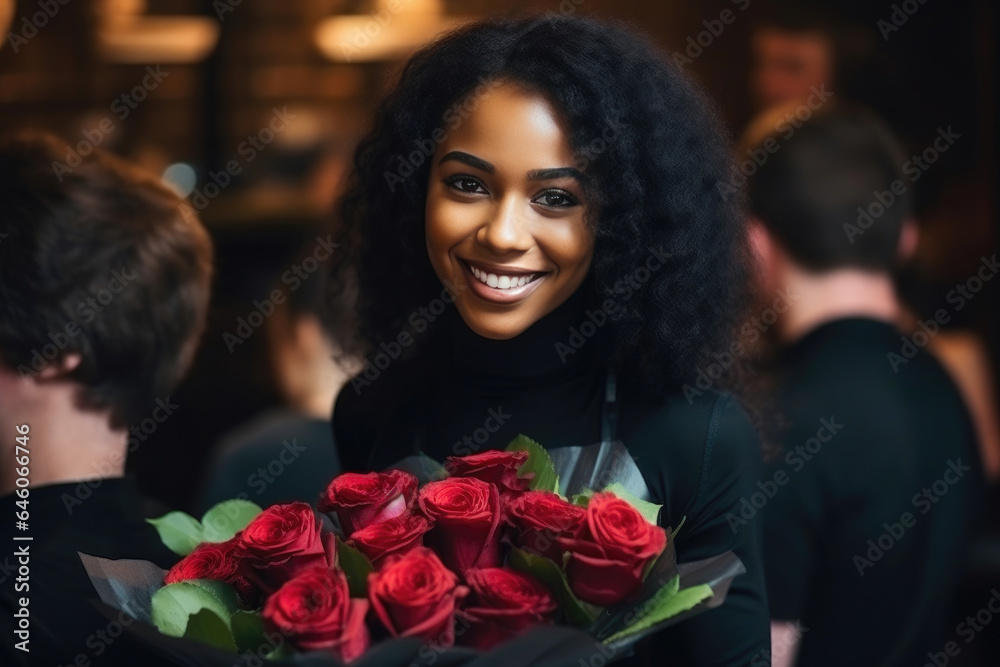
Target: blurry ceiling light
{"points": [[6, 14], [392, 29], [181, 178], [125, 35]]}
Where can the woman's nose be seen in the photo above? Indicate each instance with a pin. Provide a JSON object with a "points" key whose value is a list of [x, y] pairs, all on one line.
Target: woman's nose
{"points": [[506, 229]]}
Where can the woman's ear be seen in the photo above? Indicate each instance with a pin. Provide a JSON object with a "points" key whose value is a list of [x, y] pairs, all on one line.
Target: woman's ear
{"points": [[761, 243], [909, 237], [768, 256], [60, 367]]}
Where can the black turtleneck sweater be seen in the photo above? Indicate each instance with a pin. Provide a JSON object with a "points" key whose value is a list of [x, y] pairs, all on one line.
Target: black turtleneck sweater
{"points": [[699, 459]]}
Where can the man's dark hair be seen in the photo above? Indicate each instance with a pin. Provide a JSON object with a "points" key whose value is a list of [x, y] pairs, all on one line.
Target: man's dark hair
{"points": [[827, 192], [102, 260], [793, 19], [313, 296]]}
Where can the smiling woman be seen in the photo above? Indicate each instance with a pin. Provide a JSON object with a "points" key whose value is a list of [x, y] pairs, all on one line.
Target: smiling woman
{"points": [[573, 216], [507, 222]]}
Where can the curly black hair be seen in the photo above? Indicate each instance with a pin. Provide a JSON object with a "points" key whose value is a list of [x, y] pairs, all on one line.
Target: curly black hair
{"points": [[659, 183]]}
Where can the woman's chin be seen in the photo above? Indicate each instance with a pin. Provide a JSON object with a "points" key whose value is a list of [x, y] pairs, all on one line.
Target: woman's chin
{"points": [[493, 326]]}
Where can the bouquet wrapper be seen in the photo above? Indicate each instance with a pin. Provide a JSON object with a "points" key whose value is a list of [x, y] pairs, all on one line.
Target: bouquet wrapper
{"points": [[127, 586]]}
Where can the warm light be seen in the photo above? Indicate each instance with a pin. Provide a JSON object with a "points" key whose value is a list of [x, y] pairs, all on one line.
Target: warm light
{"points": [[6, 14], [125, 35], [393, 29]]}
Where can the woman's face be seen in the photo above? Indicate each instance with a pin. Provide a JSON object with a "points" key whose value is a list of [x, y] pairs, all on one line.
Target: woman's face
{"points": [[505, 213]]}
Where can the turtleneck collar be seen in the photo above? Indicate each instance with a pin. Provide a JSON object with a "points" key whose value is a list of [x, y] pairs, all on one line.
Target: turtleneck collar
{"points": [[550, 351]]}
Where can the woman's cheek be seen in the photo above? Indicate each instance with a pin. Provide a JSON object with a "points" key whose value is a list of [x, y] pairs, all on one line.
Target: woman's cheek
{"points": [[569, 244], [437, 249], [445, 229]]}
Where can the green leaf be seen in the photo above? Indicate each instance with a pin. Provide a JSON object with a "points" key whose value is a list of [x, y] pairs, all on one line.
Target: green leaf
{"points": [[179, 532], [428, 469], [583, 498], [577, 611], [666, 603], [284, 650], [248, 630], [226, 519], [651, 511], [174, 603], [539, 462], [205, 626], [356, 567], [674, 531], [671, 588]]}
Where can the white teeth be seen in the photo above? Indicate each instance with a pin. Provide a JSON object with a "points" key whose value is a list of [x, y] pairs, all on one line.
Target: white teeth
{"points": [[501, 282]]}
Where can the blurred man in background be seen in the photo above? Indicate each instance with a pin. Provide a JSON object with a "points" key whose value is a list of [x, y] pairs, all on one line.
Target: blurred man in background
{"points": [[869, 505], [287, 453], [792, 54], [797, 51], [104, 283]]}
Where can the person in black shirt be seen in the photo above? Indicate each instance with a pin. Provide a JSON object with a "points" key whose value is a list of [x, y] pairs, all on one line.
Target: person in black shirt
{"points": [[868, 508], [287, 453], [541, 249], [104, 277]]}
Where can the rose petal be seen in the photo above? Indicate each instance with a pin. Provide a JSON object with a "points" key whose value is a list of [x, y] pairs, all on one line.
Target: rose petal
{"points": [[600, 581], [355, 636], [388, 538], [466, 515], [415, 595], [315, 612]]}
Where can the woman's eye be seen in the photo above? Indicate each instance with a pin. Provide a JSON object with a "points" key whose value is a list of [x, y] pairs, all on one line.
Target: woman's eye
{"points": [[465, 184], [556, 199]]}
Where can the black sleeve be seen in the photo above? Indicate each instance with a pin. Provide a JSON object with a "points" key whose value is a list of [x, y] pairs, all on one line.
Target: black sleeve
{"points": [[793, 527], [738, 632]]}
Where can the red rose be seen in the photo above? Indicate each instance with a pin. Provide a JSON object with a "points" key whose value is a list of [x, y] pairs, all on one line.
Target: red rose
{"points": [[209, 560], [220, 561], [414, 595], [540, 518], [391, 537], [608, 558], [280, 542], [504, 603], [315, 611], [466, 515], [495, 467], [360, 500]]}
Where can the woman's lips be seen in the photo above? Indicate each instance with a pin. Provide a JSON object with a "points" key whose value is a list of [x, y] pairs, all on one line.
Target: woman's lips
{"points": [[488, 282]]}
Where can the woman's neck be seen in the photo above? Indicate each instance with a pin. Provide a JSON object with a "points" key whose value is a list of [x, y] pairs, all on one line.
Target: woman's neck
{"points": [[564, 343]]}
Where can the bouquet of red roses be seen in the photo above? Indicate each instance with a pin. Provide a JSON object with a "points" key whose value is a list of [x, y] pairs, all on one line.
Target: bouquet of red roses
{"points": [[472, 553]]}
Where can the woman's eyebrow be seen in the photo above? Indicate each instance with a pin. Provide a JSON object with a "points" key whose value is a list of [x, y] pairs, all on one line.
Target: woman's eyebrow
{"points": [[555, 172], [470, 160], [533, 175]]}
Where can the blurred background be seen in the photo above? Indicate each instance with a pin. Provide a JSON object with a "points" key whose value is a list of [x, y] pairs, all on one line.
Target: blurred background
{"points": [[252, 109]]}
